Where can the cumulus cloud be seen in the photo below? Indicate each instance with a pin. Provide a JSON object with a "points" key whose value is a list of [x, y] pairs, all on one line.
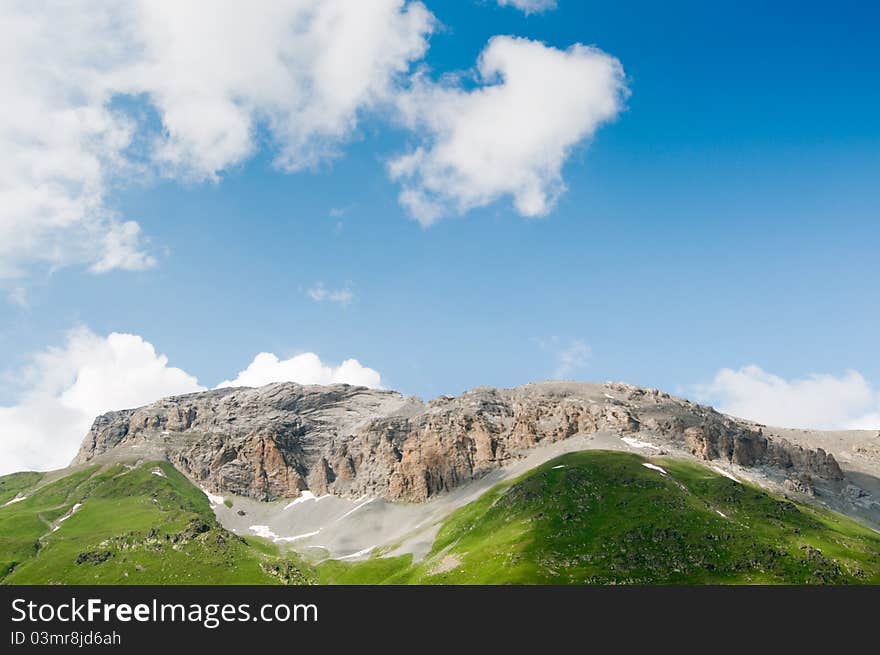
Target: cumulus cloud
{"points": [[529, 6], [67, 387], [306, 368], [304, 68], [216, 73], [59, 138], [508, 136], [320, 293], [819, 401]]}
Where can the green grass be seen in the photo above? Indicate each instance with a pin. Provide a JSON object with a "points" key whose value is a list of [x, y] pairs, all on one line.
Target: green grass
{"points": [[133, 527], [604, 518], [12, 485], [584, 518]]}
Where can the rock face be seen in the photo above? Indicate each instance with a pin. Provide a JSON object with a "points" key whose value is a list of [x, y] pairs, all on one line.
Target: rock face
{"points": [[279, 440]]}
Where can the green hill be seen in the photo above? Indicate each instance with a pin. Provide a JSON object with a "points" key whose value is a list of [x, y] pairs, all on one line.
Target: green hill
{"points": [[584, 518], [604, 518], [132, 525]]}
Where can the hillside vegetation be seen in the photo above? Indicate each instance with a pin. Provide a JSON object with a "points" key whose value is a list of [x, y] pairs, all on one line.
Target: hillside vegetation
{"points": [[128, 525], [605, 518], [592, 517]]}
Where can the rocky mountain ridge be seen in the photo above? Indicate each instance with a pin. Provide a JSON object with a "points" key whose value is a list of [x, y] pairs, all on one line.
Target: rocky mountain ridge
{"points": [[282, 439]]}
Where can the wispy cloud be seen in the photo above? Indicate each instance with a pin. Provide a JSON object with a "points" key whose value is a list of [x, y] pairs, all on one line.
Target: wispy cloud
{"points": [[18, 296], [569, 356], [319, 293], [529, 6], [339, 212]]}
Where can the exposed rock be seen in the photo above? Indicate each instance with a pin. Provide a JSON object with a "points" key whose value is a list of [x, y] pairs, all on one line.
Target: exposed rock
{"points": [[799, 485], [279, 440], [93, 557], [855, 492]]}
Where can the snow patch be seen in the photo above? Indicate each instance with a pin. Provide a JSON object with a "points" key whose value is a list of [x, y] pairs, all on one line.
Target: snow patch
{"points": [[66, 516], [17, 499], [266, 532], [561, 466], [214, 500], [352, 511], [720, 513], [159, 472], [610, 397], [636, 443], [725, 474], [297, 537], [305, 496], [263, 531], [360, 553], [654, 467]]}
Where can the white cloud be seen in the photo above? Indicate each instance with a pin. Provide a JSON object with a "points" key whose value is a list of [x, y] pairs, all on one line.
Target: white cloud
{"points": [[304, 68], [818, 401], [320, 293], [65, 388], [509, 136], [215, 73], [569, 358], [60, 140], [306, 368], [68, 387], [529, 6]]}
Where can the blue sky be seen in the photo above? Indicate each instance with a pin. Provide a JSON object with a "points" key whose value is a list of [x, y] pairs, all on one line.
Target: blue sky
{"points": [[726, 216]]}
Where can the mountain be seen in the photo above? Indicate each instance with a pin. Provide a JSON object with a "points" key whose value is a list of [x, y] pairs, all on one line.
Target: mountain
{"points": [[278, 440], [549, 482]]}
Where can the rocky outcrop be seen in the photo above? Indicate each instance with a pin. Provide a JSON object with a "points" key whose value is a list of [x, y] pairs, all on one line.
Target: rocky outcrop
{"points": [[279, 440]]}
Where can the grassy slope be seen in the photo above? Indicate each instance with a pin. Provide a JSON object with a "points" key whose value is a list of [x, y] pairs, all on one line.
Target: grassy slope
{"points": [[590, 517], [602, 517], [12, 485], [134, 527]]}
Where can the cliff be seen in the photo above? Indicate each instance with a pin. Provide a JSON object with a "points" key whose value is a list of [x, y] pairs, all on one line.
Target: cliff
{"points": [[278, 440]]}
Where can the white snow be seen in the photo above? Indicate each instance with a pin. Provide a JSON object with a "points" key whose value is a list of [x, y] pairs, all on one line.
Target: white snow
{"points": [[360, 553], [263, 531], [17, 499], [608, 395], [561, 466], [352, 511], [298, 536], [654, 467], [305, 496], [214, 500], [165, 433], [159, 472], [267, 533], [725, 473], [636, 443], [720, 513], [66, 516]]}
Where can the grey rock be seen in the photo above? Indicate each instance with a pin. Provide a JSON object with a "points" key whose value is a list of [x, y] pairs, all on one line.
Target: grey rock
{"points": [[278, 440]]}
